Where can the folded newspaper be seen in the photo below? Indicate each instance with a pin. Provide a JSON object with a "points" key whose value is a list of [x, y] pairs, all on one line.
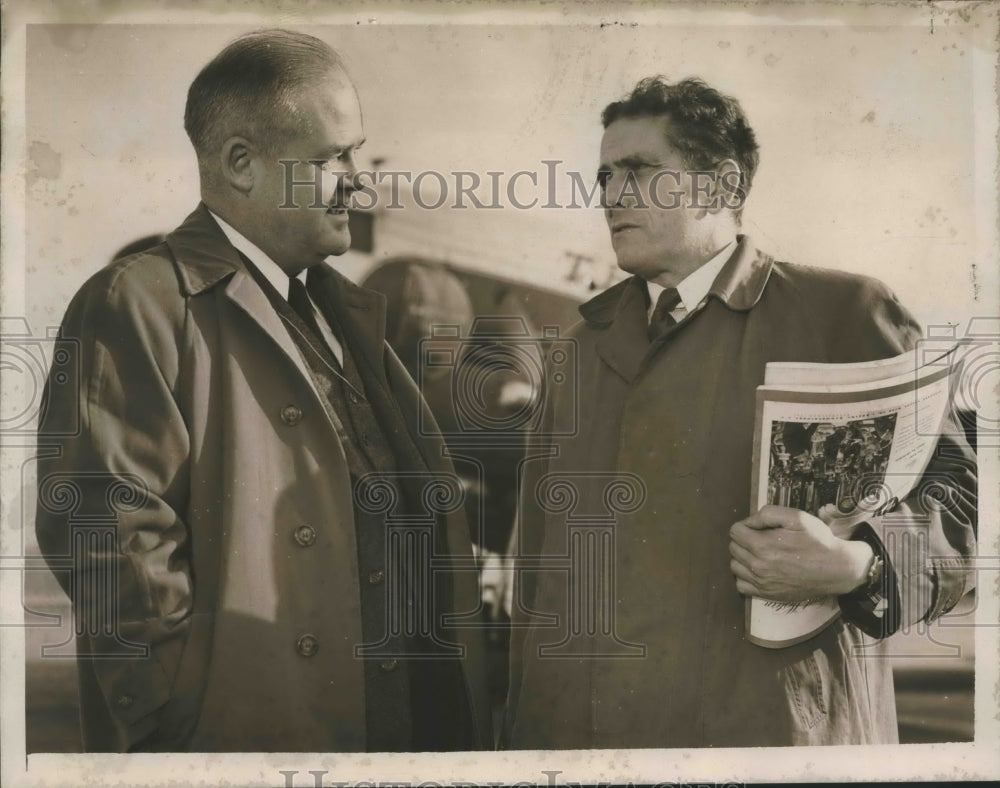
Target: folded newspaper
{"points": [[845, 441]]}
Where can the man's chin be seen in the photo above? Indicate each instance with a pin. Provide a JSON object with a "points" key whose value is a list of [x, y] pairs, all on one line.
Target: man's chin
{"points": [[339, 245], [638, 267]]}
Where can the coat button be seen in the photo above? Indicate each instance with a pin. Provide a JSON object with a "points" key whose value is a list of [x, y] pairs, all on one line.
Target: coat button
{"points": [[305, 535], [125, 701], [388, 665], [291, 415], [307, 645], [365, 441], [354, 398], [376, 577]]}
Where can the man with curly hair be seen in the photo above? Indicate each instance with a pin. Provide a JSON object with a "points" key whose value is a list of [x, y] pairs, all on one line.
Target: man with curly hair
{"points": [[669, 361]]}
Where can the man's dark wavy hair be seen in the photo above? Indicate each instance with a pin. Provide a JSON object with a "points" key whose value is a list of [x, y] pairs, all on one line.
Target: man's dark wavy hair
{"points": [[705, 126]]}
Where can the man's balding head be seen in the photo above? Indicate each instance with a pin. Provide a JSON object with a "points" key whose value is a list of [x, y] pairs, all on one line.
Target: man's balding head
{"points": [[252, 89], [272, 110]]}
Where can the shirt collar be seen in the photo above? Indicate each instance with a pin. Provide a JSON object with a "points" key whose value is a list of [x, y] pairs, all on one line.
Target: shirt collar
{"points": [[696, 285], [739, 286], [270, 269]]}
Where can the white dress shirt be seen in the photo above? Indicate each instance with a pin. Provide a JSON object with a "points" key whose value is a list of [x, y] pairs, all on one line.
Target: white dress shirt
{"points": [[693, 289], [278, 279]]}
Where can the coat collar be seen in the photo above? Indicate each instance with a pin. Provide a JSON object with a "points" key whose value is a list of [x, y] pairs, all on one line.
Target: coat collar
{"points": [[739, 286], [622, 309], [204, 258], [202, 252], [742, 280]]}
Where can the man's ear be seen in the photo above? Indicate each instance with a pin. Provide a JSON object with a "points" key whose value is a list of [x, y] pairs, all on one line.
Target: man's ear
{"points": [[728, 192], [236, 163]]}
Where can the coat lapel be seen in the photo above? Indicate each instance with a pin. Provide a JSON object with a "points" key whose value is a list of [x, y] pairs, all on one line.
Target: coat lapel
{"points": [[249, 298], [205, 258], [360, 313], [623, 344], [622, 310]]}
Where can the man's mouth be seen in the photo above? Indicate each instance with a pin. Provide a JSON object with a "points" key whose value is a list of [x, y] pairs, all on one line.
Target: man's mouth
{"points": [[622, 226], [339, 205]]}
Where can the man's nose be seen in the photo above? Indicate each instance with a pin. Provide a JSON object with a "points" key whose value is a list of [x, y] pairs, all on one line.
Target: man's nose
{"points": [[349, 172]]}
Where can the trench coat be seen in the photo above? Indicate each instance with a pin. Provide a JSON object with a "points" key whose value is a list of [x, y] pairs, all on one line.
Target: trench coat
{"points": [[197, 420], [662, 445]]}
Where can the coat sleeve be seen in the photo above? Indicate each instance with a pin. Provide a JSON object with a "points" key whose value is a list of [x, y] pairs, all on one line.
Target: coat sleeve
{"points": [[926, 541], [112, 480]]}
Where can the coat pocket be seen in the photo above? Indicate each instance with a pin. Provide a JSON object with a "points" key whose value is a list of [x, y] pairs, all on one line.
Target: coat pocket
{"points": [[807, 688]]}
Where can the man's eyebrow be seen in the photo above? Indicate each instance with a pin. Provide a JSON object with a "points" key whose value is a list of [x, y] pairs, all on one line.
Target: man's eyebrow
{"points": [[632, 160], [333, 151]]}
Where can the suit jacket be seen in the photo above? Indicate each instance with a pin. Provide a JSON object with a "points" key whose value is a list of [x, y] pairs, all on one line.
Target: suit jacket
{"points": [[675, 423], [198, 423]]}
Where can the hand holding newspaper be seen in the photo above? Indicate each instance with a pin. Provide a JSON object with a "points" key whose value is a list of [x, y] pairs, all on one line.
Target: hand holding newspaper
{"points": [[843, 442]]}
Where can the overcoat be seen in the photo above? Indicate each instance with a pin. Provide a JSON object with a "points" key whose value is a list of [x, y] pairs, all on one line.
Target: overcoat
{"points": [[197, 422], [651, 651]]}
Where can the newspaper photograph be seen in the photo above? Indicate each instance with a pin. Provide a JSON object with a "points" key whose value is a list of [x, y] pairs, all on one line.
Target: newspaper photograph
{"points": [[845, 452]]}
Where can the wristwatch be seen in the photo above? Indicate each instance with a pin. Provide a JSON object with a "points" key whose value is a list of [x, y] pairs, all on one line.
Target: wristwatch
{"points": [[872, 587], [874, 606]]}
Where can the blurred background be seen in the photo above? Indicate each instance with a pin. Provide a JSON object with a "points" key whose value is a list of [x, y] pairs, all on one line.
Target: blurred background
{"points": [[869, 141]]}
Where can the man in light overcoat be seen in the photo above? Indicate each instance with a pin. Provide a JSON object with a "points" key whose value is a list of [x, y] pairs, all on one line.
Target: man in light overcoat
{"points": [[286, 542]]}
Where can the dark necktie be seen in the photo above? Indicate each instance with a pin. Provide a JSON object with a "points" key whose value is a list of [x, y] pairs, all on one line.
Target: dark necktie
{"points": [[298, 299], [661, 320]]}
